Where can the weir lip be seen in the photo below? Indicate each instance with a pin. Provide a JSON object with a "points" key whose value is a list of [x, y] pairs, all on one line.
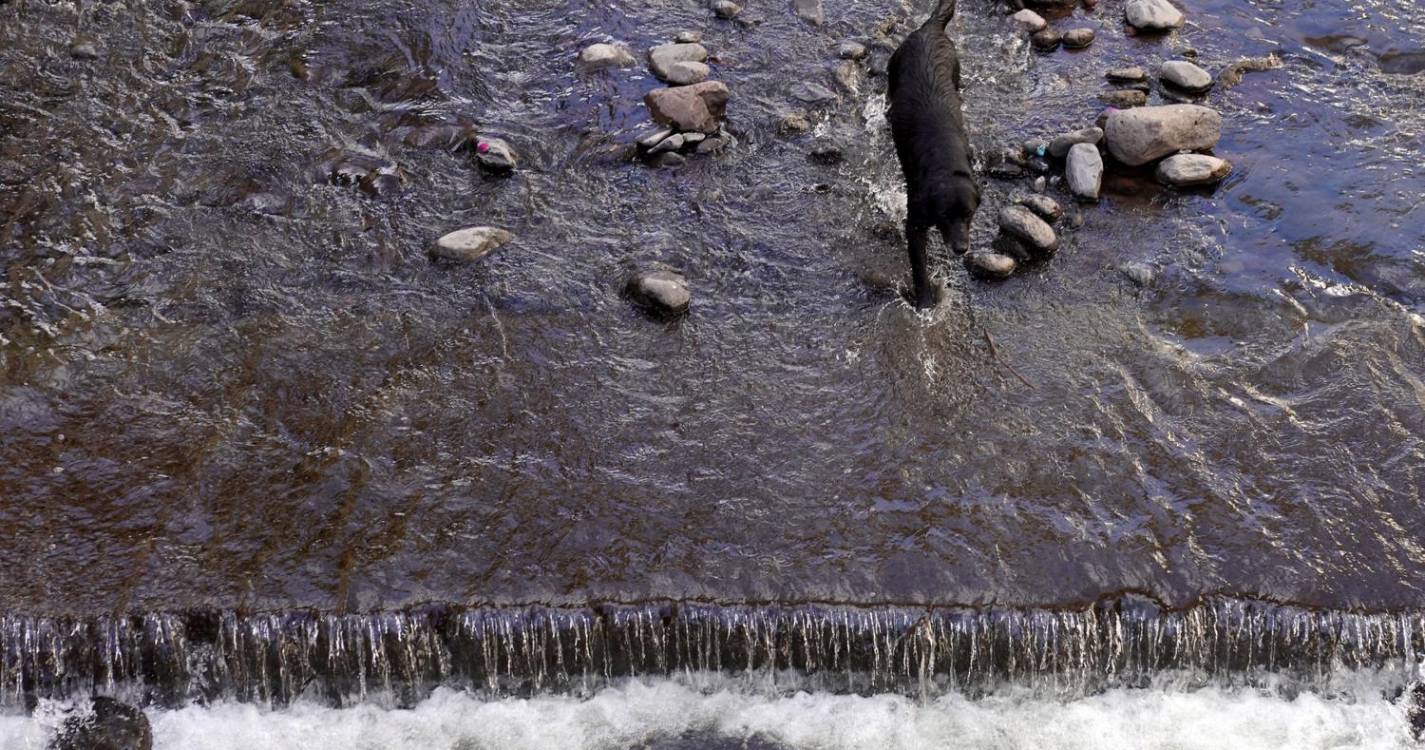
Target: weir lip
{"points": [[399, 657]]}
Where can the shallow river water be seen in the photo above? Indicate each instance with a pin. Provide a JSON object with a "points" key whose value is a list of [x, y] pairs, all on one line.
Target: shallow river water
{"points": [[261, 457]]}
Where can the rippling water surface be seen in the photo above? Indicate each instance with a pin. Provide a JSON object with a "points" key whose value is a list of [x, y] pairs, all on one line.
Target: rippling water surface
{"points": [[227, 385]]}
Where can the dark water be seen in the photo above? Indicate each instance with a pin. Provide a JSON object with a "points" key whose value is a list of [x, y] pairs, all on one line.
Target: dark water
{"points": [[227, 385]]}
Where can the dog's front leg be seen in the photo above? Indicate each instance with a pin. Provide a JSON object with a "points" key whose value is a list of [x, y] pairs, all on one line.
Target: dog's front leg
{"points": [[917, 238]]}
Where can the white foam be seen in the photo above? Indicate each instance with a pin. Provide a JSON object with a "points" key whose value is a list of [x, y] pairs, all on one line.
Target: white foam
{"points": [[637, 711]]}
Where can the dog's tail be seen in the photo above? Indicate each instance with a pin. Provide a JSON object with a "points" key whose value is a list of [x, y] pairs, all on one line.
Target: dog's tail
{"points": [[944, 12]]}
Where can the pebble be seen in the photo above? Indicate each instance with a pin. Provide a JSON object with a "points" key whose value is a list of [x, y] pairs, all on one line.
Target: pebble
{"points": [[495, 156], [469, 244], [809, 10], [1138, 136], [1189, 170], [1133, 74], [671, 143], [654, 138], [1028, 20], [990, 266], [1124, 98], [690, 139], [1078, 38], [662, 293], [851, 50], [599, 56], [1185, 76], [1022, 224], [662, 58], [1059, 147], [1084, 172], [84, 49], [1045, 207], [670, 159], [1153, 15], [725, 9], [1040, 184], [688, 37], [1035, 147], [812, 93], [1045, 40], [698, 107]]}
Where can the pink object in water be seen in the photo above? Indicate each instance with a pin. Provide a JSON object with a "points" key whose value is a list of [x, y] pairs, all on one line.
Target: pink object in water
{"points": [[483, 148]]}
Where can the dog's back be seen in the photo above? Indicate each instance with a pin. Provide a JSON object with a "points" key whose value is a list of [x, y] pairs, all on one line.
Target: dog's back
{"points": [[928, 126]]}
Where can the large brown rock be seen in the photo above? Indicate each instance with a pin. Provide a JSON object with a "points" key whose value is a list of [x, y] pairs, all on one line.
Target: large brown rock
{"points": [[698, 108], [1138, 136]]}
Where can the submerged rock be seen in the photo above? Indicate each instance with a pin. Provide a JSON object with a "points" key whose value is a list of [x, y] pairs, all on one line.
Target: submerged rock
{"points": [[1190, 170], [1124, 98], [1084, 172], [661, 293], [812, 93], [715, 144], [84, 49], [1028, 20], [1138, 136], [109, 725], [372, 174], [1138, 272], [990, 266], [471, 243], [698, 107], [600, 56], [688, 37], [1186, 76], [793, 123], [495, 156], [828, 153], [1022, 224], [1059, 147], [1153, 15], [851, 50], [809, 10], [1232, 74], [1078, 38]]}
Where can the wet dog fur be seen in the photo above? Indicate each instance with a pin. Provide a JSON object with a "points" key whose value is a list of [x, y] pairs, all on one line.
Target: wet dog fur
{"points": [[928, 126]]}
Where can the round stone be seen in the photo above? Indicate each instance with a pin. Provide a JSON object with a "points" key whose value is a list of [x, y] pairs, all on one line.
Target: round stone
{"points": [[1078, 38], [471, 243], [662, 293], [990, 266]]}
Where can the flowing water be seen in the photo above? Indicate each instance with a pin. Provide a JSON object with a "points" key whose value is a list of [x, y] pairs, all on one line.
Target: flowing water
{"points": [[271, 472]]}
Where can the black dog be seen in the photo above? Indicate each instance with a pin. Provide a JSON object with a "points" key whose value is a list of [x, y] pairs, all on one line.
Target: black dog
{"points": [[929, 131]]}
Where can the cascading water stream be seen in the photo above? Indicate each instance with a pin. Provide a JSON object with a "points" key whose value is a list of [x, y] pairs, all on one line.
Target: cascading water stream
{"points": [[398, 658]]}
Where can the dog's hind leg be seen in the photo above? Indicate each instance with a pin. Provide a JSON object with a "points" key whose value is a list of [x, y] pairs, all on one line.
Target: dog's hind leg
{"points": [[917, 238]]}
